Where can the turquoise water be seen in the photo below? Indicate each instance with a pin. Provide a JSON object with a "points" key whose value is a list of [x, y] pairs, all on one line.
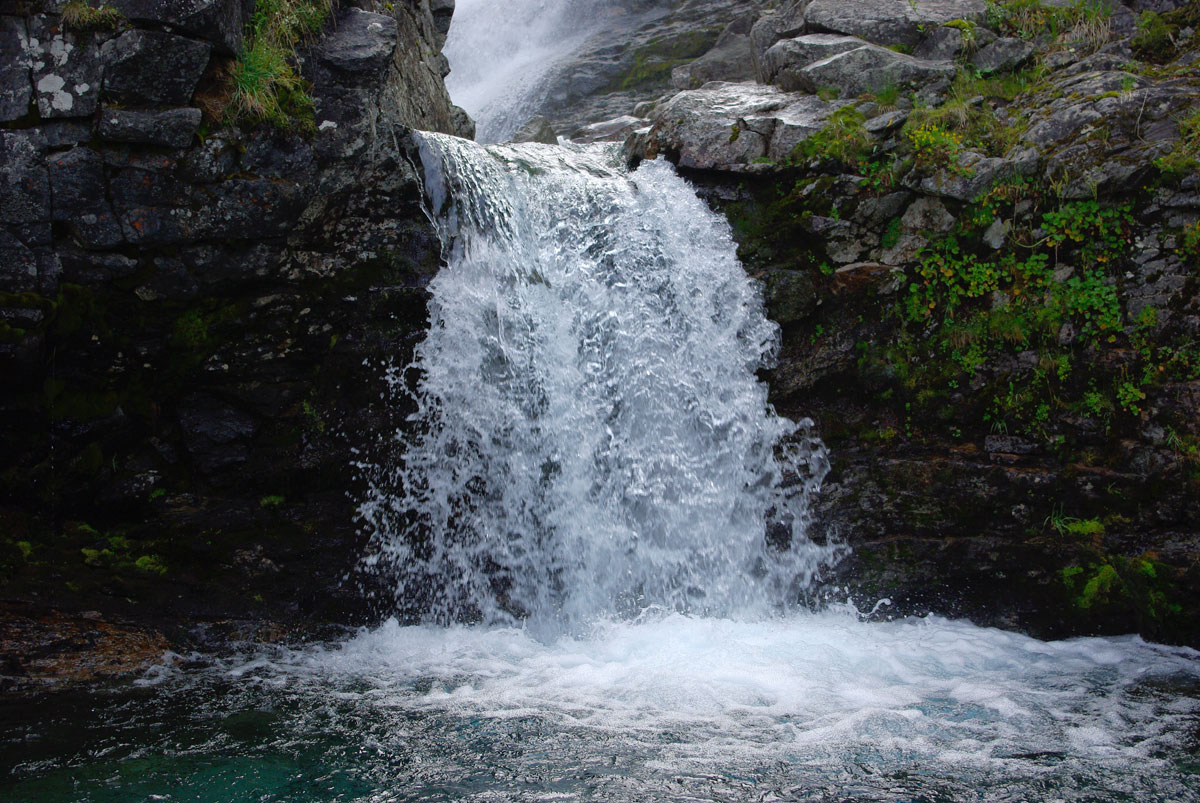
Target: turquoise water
{"points": [[815, 707]]}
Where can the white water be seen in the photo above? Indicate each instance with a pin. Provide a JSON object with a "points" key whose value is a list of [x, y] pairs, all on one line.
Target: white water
{"points": [[592, 439], [501, 52]]}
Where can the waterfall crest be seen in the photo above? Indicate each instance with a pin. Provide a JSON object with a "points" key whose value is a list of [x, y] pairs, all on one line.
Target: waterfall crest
{"points": [[591, 438]]}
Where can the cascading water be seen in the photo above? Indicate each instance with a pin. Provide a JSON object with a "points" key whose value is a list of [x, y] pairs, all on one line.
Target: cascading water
{"points": [[592, 438], [503, 51]]}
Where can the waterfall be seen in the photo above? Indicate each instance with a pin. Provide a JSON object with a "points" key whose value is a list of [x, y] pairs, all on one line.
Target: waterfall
{"points": [[503, 52], [591, 437]]}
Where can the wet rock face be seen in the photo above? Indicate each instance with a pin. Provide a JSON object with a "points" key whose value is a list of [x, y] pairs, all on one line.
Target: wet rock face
{"points": [[190, 326]]}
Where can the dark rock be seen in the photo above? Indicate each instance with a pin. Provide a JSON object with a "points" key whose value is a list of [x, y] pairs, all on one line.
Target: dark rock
{"points": [[443, 11], [25, 184], [92, 269], [1010, 444], [538, 129], [77, 181], [66, 69], [170, 127], [170, 281], [940, 44], [147, 67], [464, 126], [1003, 54], [16, 87], [210, 161], [217, 435], [219, 22], [730, 59], [64, 133], [362, 42], [18, 265]]}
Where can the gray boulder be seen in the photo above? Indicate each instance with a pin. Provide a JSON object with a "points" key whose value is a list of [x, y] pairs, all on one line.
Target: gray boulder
{"points": [[16, 89], [889, 22], [784, 61], [1007, 53], [772, 26], [734, 127], [538, 129], [443, 11], [219, 22], [147, 67], [66, 69], [170, 127], [362, 42], [870, 68]]}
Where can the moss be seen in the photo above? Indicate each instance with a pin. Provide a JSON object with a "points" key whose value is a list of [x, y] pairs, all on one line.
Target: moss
{"points": [[653, 62], [80, 16]]}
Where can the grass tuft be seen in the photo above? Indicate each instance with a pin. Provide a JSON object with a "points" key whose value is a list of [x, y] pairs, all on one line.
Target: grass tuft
{"points": [[79, 16]]}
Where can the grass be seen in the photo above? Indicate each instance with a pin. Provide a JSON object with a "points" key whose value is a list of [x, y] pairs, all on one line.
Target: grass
{"points": [[266, 86], [79, 16]]}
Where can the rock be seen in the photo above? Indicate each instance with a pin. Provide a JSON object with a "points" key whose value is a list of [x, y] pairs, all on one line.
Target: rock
{"points": [[731, 126], [1009, 444], [63, 133], [219, 22], [940, 44], [170, 127], [996, 234], [538, 129], [464, 126], [889, 22], [217, 434], [18, 265], [1003, 54], [147, 67], [75, 176], [785, 59], [362, 42], [66, 69], [871, 68], [16, 89], [730, 59], [24, 180], [927, 214], [973, 174], [885, 124], [443, 11], [614, 130]]}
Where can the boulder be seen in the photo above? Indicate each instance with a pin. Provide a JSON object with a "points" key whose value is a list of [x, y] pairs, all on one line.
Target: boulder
{"points": [[538, 129], [870, 68], [733, 126], [147, 67], [170, 127], [443, 11], [463, 124], [217, 435], [219, 22], [1006, 53], [361, 43], [889, 22], [973, 174], [784, 60], [16, 89], [24, 181], [773, 26], [66, 69]]}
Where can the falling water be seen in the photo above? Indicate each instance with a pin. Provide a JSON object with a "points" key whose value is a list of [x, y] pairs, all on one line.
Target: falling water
{"points": [[592, 439]]}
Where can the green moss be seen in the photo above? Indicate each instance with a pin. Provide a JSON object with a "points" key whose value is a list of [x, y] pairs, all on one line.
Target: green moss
{"points": [[653, 62], [80, 16]]}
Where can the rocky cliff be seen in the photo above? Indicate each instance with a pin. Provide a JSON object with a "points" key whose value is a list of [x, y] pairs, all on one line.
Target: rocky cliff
{"points": [[978, 224], [196, 314]]}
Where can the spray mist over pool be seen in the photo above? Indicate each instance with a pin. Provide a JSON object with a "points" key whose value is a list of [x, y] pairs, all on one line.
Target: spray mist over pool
{"points": [[591, 437]]}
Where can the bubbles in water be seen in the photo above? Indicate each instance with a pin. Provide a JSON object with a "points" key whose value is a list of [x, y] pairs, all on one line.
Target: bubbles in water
{"points": [[591, 438]]}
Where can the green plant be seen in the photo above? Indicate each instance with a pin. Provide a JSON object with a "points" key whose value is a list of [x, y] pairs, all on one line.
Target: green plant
{"points": [[80, 16], [934, 146], [1184, 158], [843, 139], [273, 500], [266, 86]]}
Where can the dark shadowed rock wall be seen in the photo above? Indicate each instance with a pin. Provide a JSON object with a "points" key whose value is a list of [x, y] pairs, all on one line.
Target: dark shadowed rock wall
{"points": [[195, 317]]}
